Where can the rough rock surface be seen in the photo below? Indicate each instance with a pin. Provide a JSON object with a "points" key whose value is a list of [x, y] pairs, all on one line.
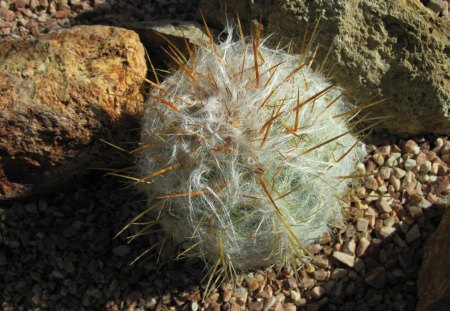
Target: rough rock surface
{"points": [[156, 35], [397, 50], [433, 284], [61, 94]]}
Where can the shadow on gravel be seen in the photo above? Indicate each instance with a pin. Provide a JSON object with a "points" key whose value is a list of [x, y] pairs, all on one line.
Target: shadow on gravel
{"points": [[58, 253]]}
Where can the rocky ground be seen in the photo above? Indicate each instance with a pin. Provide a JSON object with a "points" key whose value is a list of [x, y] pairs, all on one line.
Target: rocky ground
{"points": [[59, 253], [28, 18]]}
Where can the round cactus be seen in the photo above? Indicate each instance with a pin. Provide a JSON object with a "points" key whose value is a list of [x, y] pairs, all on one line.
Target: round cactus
{"points": [[245, 153]]}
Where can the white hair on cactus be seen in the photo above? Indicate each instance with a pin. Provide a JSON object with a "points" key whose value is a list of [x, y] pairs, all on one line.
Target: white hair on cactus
{"points": [[244, 149]]}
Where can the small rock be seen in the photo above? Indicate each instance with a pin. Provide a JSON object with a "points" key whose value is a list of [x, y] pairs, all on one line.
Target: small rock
{"points": [[344, 258], [383, 205], [362, 224], [295, 295], [31, 208], [399, 173], [426, 167], [241, 294], [268, 303], [317, 292], [424, 203], [388, 222], [415, 211], [412, 234], [376, 278], [360, 169], [320, 275], [385, 172], [371, 183], [386, 231], [255, 306], [349, 247], [121, 250], [266, 292], [384, 150], [290, 307], [320, 261], [378, 158], [395, 182], [362, 246], [409, 146], [306, 283], [410, 164]]}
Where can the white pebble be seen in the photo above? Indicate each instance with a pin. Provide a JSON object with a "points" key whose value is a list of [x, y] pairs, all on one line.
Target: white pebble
{"points": [[360, 169], [410, 164], [426, 167]]}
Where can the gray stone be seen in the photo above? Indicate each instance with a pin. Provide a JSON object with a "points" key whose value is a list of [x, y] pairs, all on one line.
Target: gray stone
{"points": [[156, 35]]}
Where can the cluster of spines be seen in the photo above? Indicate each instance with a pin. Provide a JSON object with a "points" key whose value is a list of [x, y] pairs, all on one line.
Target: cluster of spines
{"points": [[222, 267]]}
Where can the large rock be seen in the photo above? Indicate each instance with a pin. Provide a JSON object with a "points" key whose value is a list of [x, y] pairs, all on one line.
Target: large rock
{"points": [[61, 94], [394, 49], [160, 36], [433, 286]]}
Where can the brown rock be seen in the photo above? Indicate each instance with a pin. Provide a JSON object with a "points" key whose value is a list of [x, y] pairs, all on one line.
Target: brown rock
{"points": [[433, 285], [59, 96]]}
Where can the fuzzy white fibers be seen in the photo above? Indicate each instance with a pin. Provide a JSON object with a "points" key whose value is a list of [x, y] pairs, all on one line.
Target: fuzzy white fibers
{"points": [[245, 155]]}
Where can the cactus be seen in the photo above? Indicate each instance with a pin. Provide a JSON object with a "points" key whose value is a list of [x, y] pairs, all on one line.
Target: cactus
{"points": [[245, 154]]}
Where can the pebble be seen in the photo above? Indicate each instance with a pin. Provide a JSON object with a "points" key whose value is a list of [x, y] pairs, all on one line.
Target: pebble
{"points": [[241, 294], [376, 278], [378, 158], [386, 231], [317, 292], [409, 146], [31, 208], [306, 283], [320, 261], [399, 173], [346, 259], [395, 182], [371, 183], [362, 246], [349, 247], [360, 169], [383, 205], [362, 224], [385, 172], [320, 275], [412, 234], [121, 250], [295, 295], [410, 164]]}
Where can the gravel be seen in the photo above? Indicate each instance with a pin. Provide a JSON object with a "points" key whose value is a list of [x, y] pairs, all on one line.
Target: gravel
{"points": [[28, 18], [58, 252]]}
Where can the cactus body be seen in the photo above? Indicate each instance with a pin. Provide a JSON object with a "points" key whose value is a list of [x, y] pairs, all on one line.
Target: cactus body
{"points": [[244, 149]]}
